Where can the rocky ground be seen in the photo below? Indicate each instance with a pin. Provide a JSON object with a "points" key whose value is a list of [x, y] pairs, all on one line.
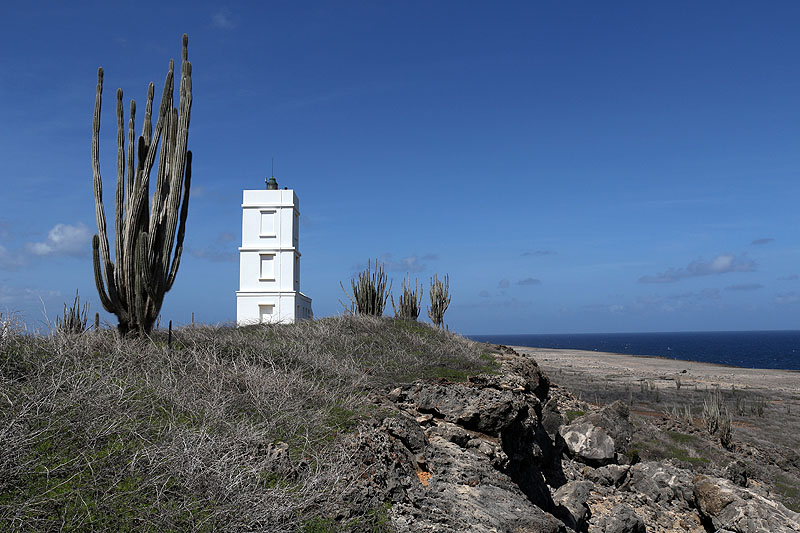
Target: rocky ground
{"points": [[764, 406], [508, 451]]}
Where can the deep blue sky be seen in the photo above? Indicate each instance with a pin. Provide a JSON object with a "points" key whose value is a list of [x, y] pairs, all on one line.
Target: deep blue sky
{"points": [[574, 166]]}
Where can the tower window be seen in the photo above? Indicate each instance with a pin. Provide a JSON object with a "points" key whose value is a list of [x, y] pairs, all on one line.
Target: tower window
{"points": [[267, 267], [268, 223], [265, 312]]}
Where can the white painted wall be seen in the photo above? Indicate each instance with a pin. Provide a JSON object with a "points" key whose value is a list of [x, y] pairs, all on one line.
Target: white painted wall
{"points": [[269, 259]]}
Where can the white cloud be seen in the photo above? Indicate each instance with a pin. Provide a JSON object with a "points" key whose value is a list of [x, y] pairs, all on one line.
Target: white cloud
{"points": [[222, 19], [787, 298], [63, 239], [538, 253], [215, 254], [411, 263], [721, 264], [10, 260], [14, 297], [744, 287]]}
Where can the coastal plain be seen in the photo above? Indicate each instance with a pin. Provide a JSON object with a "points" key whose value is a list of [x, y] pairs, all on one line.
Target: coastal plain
{"points": [[764, 405]]}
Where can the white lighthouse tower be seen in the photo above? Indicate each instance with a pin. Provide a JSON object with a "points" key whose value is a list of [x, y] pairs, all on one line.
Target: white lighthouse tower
{"points": [[269, 259]]}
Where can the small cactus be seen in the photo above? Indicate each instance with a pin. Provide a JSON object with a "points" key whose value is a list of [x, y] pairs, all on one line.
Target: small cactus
{"points": [[75, 317], [440, 299], [410, 301]]}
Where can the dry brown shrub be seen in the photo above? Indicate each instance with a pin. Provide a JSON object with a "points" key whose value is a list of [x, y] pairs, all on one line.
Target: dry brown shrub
{"points": [[98, 432]]}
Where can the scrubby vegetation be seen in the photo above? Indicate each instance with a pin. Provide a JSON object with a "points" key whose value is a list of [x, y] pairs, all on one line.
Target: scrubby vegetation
{"points": [[229, 429]]}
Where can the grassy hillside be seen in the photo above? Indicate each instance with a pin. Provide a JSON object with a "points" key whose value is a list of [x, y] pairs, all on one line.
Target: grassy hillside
{"points": [[230, 429]]}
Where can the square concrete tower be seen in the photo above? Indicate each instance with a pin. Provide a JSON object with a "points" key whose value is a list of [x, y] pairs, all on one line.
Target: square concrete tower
{"points": [[269, 259]]}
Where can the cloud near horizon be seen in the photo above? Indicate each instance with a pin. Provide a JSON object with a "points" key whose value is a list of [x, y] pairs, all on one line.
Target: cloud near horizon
{"points": [[411, 263], [539, 253], [64, 239], [722, 264], [744, 287], [787, 298]]}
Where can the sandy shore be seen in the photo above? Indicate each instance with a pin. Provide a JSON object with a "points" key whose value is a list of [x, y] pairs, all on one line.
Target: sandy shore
{"points": [[761, 401], [764, 405], [633, 368]]}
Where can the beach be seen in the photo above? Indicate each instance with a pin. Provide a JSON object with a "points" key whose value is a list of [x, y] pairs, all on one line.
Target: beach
{"points": [[764, 403], [760, 400]]}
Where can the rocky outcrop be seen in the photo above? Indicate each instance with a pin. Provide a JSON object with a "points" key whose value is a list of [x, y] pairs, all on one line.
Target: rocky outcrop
{"points": [[623, 519], [727, 507], [495, 454], [588, 443]]}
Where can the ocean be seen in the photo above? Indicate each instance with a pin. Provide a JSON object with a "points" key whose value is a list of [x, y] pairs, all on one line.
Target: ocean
{"points": [[750, 349]]}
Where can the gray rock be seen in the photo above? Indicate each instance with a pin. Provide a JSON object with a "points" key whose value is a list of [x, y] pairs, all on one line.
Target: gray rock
{"points": [[727, 507], [737, 472], [407, 430], [608, 476], [486, 410], [552, 418], [623, 519], [615, 419], [661, 483], [452, 432], [570, 500], [465, 492], [588, 443]]}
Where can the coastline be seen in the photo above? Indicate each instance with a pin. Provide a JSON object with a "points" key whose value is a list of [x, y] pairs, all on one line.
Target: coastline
{"points": [[623, 368], [758, 399], [764, 404]]}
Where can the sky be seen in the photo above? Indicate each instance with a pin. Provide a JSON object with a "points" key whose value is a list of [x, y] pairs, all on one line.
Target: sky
{"points": [[574, 166]]}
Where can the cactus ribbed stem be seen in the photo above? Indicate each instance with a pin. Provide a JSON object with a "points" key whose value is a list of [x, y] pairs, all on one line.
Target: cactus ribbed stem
{"points": [[147, 250], [369, 291], [440, 299]]}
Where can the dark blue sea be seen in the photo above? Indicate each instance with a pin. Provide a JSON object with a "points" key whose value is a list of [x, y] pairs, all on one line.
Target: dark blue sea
{"points": [[750, 349]]}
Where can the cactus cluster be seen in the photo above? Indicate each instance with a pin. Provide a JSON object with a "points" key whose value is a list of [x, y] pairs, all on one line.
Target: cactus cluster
{"points": [[369, 291], [440, 299], [147, 250], [410, 300], [75, 317]]}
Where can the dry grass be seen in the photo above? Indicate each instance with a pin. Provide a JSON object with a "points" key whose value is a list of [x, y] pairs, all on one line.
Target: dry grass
{"points": [[102, 433]]}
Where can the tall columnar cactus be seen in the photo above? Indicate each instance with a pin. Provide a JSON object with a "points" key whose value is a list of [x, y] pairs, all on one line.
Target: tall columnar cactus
{"points": [[369, 292], [133, 287], [440, 299]]}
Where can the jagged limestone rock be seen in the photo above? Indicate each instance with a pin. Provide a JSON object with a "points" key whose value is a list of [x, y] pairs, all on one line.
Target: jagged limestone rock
{"points": [[727, 507], [588, 443]]}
